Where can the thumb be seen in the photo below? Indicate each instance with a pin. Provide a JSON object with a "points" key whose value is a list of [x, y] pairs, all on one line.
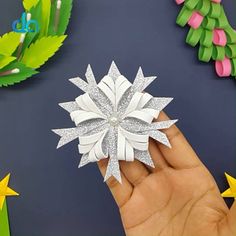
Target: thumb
{"points": [[231, 218]]}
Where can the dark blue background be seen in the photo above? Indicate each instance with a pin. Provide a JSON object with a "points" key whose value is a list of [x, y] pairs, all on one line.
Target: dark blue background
{"points": [[56, 198]]}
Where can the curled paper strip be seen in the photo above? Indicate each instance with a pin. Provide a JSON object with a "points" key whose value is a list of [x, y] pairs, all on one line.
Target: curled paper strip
{"points": [[210, 29], [114, 119]]}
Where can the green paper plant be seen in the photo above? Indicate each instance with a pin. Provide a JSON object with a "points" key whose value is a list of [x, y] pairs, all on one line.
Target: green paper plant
{"points": [[214, 18], [4, 223], [21, 54]]}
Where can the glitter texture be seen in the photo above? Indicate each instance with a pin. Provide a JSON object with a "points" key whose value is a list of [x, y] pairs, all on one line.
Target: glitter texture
{"points": [[114, 120]]}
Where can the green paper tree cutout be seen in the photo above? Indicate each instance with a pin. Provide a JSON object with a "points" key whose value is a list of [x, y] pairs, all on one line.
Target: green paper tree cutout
{"points": [[5, 191], [214, 18], [4, 223]]}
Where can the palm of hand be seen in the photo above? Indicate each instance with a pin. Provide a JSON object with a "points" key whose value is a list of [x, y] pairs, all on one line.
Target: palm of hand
{"points": [[175, 202], [177, 198]]}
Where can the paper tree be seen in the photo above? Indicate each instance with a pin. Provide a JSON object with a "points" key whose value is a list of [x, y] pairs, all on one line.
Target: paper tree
{"points": [[114, 119], [231, 192], [211, 30], [4, 192]]}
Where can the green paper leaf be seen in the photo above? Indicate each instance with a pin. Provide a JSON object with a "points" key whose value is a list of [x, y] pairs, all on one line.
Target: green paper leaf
{"points": [[8, 43], [4, 223], [28, 4], [64, 17], [35, 15], [25, 72], [5, 60], [45, 17], [39, 52]]}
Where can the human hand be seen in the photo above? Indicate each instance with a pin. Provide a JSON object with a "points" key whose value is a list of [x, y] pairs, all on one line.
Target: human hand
{"points": [[177, 198]]}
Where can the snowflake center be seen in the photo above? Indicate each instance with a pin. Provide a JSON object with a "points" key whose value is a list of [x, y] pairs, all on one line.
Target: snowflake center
{"points": [[114, 120]]}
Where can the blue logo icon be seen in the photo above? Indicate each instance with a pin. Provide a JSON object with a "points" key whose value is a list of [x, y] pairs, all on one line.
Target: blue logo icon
{"points": [[25, 25]]}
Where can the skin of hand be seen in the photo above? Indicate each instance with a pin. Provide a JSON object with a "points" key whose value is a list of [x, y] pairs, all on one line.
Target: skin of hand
{"points": [[177, 198]]}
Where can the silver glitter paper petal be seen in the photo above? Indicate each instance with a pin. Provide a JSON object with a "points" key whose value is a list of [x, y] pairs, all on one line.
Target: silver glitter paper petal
{"points": [[95, 129], [114, 71], [144, 157], [80, 84], [158, 103], [161, 125], [124, 102], [101, 100], [138, 81], [69, 106], [90, 77], [84, 160], [141, 82], [113, 168], [159, 136], [134, 125], [147, 81], [67, 135]]}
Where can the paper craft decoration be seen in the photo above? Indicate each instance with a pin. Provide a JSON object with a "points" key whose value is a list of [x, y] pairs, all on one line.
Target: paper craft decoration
{"points": [[231, 192], [39, 33], [4, 192], [210, 29], [114, 119]]}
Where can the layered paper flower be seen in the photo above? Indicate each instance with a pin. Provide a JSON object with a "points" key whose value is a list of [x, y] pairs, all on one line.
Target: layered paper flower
{"points": [[114, 119]]}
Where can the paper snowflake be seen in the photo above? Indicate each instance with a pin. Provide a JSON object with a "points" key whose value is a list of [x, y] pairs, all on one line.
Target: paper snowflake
{"points": [[114, 119]]}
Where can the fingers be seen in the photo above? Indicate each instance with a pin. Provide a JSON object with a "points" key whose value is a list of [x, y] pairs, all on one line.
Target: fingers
{"points": [[232, 218], [135, 171], [181, 155], [158, 159], [121, 192]]}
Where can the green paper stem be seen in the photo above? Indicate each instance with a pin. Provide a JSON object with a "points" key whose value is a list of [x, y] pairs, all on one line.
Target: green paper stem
{"points": [[4, 223]]}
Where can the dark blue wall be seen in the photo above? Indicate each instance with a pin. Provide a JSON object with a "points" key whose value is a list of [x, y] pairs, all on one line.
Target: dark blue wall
{"points": [[56, 198]]}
